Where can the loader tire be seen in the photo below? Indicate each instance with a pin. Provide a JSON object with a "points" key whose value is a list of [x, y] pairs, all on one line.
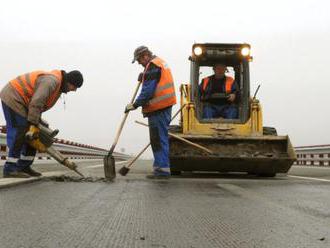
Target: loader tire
{"points": [[269, 131]]}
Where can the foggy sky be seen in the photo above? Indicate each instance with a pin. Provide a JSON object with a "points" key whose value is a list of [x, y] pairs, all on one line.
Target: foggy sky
{"points": [[289, 42]]}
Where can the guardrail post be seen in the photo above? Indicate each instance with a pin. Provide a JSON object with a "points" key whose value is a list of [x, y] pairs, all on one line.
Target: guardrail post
{"points": [[3, 148]]}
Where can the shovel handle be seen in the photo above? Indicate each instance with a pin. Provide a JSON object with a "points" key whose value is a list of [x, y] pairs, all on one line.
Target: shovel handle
{"points": [[131, 162], [191, 143], [182, 139], [123, 122]]}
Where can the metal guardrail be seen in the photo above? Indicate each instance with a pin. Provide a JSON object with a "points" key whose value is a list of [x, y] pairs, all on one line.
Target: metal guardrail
{"points": [[316, 155], [72, 150]]}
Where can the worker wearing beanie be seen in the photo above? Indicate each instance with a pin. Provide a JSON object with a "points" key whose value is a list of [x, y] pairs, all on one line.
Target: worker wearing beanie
{"points": [[156, 99], [23, 100]]}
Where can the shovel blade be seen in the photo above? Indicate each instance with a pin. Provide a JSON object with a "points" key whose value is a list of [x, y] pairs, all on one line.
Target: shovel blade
{"points": [[109, 167], [123, 171]]}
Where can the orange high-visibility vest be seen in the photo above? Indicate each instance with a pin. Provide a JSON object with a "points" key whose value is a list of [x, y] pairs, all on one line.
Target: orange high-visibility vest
{"points": [[25, 86], [164, 95], [228, 84]]}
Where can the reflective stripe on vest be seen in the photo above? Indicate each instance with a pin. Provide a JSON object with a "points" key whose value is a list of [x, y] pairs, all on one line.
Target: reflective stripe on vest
{"points": [[161, 98], [228, 84], [164, 87], [25, 86], [164, 95]]}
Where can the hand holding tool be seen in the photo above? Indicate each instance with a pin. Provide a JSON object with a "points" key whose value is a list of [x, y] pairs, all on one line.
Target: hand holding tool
{"points": [[129, 107], [44, 143], [32, 133]]}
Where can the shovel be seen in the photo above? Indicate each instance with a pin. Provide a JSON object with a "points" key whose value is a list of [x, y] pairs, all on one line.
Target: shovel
{"points": [[125, 169], [109, 160]]}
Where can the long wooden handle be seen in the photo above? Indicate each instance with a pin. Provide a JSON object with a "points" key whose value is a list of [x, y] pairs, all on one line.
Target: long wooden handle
{"points": [[182, 139], [190, 143], [123, 122], [131, 162]]}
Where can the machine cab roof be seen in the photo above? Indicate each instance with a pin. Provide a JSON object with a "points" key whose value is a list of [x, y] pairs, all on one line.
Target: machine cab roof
{"points": [[235, 57]]}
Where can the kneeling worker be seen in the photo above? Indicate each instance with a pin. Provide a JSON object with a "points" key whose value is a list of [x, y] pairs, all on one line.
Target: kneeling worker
{"points": [[23, 101]]}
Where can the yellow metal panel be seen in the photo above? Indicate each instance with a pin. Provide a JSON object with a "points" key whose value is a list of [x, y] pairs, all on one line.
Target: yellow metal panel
{"points": [[191, 125]]}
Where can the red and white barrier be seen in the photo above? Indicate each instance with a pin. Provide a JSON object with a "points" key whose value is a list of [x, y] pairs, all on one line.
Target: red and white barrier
{"points": [[315, 155], [70, 149]]}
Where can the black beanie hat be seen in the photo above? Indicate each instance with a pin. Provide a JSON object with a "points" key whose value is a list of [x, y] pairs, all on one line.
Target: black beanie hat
{"points": [[75, 78]]}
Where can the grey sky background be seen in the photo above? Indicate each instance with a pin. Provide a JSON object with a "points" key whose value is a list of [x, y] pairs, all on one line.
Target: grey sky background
{"points": [[290, 45]]}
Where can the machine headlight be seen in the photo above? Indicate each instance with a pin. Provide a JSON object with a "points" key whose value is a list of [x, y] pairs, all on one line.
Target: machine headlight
{"points": [[245, 51], [198, 50]]}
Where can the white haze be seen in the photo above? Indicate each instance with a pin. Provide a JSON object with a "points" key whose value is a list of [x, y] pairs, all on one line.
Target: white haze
{"points": [[289, 42]]}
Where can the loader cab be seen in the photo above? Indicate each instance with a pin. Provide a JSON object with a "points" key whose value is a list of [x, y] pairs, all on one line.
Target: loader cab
{"points": [[235, 57]]}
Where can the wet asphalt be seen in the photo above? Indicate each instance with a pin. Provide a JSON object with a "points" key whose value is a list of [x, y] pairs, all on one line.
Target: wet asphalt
{"points": [[192, 210]]}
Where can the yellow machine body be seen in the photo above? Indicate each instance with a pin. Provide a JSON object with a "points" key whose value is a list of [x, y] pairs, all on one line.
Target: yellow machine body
{"points": [[238, 145]]}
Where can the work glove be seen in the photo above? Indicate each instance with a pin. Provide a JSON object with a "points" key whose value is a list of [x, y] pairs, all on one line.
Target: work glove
{"points": [[231, 97], [32, 133], [36, 143], [129, 107]]}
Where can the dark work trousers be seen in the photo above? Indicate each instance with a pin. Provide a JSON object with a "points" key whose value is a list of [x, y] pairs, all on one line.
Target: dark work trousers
{"points": [[227, 111], [20, 154], [158, 129]]}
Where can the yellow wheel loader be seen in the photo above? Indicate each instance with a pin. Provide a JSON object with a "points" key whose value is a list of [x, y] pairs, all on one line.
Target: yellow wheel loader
{"points": [[242, 144]]}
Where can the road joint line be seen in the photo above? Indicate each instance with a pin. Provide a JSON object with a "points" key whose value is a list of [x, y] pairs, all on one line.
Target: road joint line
{"points": [[310, 178], [100, 165]]}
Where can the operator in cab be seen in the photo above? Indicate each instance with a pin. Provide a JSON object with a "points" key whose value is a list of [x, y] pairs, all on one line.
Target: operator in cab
{"points": [[218, 93]]}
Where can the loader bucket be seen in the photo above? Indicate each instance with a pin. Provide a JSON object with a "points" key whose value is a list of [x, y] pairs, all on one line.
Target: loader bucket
{"points": [[264, 155]]}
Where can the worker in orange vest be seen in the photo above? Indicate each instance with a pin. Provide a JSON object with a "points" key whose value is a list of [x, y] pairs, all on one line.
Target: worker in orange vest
{"points": [[24, 99], [219, 83], [156, 98]]}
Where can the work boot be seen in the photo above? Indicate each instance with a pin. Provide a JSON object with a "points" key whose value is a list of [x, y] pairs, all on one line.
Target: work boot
{"points": [[158, 176], [28, 170], [16, 174]]}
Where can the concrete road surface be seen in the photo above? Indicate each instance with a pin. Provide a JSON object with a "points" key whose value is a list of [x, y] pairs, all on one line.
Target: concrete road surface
{"points": [[203, 210]]}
